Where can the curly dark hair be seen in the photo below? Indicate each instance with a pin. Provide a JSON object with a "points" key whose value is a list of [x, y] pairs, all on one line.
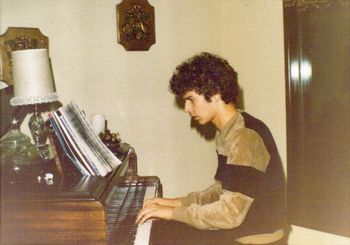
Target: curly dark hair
{"points": [[207, 74]]}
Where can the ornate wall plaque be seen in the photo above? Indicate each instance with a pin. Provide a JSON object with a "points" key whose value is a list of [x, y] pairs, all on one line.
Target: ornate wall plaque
{"points": [[135, 25], [18, 38]]}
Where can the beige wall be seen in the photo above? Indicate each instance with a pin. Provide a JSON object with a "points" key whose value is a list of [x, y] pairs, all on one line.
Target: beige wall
{"points": [[131, 88]]}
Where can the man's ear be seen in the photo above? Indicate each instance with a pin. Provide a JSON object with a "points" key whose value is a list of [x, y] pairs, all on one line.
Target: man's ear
{"points": [[216, 97]]}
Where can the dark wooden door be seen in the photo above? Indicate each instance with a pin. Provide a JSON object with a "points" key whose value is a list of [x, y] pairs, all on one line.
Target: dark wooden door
{"points": [[317, 51]]}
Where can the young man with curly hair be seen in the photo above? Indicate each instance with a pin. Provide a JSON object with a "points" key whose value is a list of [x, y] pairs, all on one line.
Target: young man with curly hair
{"points": [[246, 204]]}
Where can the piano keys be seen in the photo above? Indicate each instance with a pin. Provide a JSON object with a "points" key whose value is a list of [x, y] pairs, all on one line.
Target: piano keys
{"points": [[144, 231], [125, 231], [78, 209]]}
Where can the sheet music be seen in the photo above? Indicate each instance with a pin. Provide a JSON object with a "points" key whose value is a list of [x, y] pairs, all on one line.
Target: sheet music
{"points": [[79, 147], [82, 142], [66, 147], [92, 137]]}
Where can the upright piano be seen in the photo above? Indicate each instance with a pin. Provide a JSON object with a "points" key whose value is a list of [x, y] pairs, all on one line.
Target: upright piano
{"points": [[76, 209], [70, 209]]}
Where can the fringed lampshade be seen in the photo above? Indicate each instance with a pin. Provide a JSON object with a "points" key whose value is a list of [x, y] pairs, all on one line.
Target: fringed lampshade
{"points": [[33, 79]]}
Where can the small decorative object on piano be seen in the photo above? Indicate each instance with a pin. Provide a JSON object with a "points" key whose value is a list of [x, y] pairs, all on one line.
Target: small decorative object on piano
{"points": [[112, 141], [19, 157]]}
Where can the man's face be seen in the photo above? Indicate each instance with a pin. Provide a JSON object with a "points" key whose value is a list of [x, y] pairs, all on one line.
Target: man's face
{"points": [[199, 108]]}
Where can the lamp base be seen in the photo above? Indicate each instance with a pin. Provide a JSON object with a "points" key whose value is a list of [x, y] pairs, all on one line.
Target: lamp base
{"points": [[37, 128], [44, 152]]}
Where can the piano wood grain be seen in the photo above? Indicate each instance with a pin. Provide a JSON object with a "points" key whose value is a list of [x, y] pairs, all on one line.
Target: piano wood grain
{"points": [[45, 222]]}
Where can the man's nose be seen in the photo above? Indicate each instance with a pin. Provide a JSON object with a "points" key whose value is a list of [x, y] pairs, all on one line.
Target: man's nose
{"points": [[187, 107]]}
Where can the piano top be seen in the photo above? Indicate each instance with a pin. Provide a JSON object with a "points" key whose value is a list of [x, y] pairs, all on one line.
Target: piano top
{"points": [[70, 186], [74, 186]]}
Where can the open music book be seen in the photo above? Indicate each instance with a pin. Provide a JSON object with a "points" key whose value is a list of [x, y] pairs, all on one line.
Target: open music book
{"points": [[80, 143]]}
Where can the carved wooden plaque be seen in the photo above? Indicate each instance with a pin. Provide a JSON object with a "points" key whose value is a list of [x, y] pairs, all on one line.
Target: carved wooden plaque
{"points": [[18, 38], [135, 25]]}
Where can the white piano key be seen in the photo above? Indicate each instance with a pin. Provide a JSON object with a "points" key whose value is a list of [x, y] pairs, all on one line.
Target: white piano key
{"points": [[144, 231]]}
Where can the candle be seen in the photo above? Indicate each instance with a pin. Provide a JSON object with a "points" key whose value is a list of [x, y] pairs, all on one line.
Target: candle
{"points": [[98, 123]]}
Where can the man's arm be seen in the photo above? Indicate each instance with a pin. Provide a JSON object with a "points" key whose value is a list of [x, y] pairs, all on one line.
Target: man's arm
{"points": [[164, 207], [226, 213], [211, 194]]}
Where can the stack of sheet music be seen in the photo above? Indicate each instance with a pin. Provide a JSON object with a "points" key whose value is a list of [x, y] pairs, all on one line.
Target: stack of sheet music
{"points": [[80, 143]]}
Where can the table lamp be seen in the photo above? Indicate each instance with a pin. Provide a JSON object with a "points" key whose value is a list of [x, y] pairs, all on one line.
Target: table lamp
{"points": [[33, 85]]}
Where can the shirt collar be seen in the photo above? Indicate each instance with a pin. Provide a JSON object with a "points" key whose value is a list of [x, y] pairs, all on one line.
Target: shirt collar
{"points": [[234, 123]]}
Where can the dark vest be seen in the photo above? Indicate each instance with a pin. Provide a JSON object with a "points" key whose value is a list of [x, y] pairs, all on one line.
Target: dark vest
{"points": [[268, 211]]}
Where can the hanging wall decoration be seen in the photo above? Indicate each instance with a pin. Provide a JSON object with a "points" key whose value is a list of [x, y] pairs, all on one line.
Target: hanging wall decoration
{"points": [[135, 25]]}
